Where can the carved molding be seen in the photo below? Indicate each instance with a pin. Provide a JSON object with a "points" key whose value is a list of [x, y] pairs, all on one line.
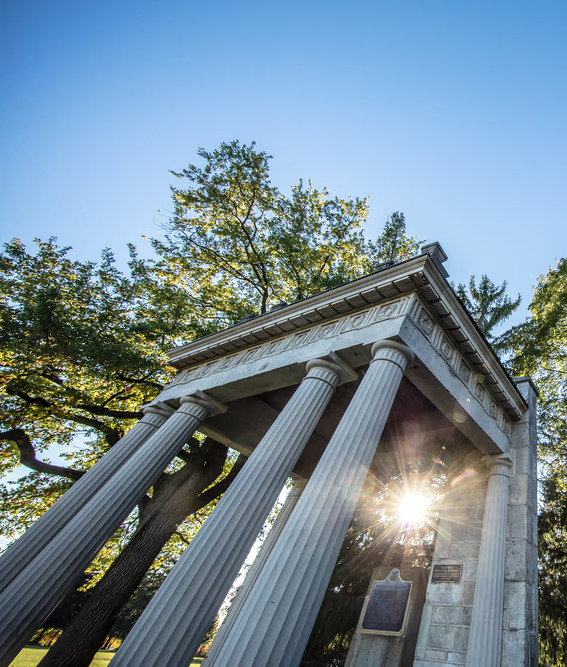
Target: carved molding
{"points": [[475, 382], [328, 329]]}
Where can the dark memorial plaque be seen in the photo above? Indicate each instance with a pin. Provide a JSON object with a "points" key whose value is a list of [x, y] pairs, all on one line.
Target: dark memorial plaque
{"points": [[446, 574], [386, 608]]}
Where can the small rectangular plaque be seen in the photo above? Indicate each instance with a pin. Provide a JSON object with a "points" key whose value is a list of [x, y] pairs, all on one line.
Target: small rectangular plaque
{"points": [[446, 574], [386, 607]]}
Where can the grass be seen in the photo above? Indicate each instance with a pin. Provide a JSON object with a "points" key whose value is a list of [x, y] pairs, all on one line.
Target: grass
{"points": [[31, 656]]}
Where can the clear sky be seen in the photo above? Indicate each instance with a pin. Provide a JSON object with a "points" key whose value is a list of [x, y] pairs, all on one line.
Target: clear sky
{"points": [[451, 111]]}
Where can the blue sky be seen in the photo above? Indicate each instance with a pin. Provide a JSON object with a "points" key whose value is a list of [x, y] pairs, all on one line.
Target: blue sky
{"points": [[453, 112]]}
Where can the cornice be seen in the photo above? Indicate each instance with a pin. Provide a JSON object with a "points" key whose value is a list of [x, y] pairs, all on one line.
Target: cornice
{"points": [[368, 290], [462, 330]]}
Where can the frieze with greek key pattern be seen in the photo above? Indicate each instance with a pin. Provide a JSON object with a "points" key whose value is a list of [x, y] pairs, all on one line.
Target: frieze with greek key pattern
{"points": [[329, 329], [455, 360]]}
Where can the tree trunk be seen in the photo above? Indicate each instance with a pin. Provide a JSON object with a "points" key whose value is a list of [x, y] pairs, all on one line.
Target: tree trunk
{"points": [[88, 630], [176, 496]]}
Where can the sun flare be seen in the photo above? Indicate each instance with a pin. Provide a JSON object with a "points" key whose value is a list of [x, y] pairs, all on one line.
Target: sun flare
{"points": [[412, 509]]}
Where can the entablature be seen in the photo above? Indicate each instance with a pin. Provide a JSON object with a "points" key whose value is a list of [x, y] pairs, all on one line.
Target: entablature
{"points": [[417, 288]]}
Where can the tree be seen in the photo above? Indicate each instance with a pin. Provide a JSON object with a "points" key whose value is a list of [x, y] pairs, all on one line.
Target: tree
{"points": [[538, 348], [83, 345], [81, 348], [239, 245], [489, 305], [552, 519], [253, 245], [393, 245]]}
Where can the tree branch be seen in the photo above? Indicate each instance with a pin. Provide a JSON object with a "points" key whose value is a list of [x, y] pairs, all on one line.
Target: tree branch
{"points": [[93, 409], [28, 459], [57, 411], [124, 378], [180, 536], [33, 400], [214, 491]]}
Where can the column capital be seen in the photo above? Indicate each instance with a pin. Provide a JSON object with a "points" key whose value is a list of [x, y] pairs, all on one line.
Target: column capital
{"points": [[499, 464], [332, 362], [159, 408], [204, 401], [391, 345]]}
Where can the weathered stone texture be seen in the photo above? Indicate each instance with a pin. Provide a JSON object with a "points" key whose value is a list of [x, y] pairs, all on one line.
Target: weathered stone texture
{"points": [[449, 637], [519, 641], [446, 619]]}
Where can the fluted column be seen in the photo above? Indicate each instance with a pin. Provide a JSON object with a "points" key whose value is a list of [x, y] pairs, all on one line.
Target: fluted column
{"points": [[275, 621], [255, 569], [37, 590], [485, 639], [171, 628], [20, 554]]}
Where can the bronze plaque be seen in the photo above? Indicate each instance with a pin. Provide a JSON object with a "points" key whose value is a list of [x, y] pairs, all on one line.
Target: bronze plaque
{"points": [[386, 607], [446, 574]]}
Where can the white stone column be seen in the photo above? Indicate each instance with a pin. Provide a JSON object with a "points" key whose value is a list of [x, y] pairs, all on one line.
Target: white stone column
{"points": [[255, 569], [485, 639], [37, 590], [172, 626], [275, 621], [20, 554]]}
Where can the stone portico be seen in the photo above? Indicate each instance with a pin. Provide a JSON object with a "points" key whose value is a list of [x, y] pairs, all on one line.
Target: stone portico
{"points": [[306, 391]]}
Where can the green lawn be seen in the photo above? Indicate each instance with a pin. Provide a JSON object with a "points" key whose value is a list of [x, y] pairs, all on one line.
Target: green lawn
{"points": [[31, 656]]}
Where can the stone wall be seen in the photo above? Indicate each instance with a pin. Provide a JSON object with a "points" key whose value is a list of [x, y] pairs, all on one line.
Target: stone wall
{"points": [[445, 622], [520, 627]]}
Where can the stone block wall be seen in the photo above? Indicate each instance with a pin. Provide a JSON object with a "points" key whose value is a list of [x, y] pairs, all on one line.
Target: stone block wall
{"points": [[520, 627], [446, 618]]}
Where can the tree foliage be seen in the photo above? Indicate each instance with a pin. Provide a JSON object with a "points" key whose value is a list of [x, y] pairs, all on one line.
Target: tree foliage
{"points": [[489, 304], [538, 348], [552, 520], [239, 245], [82, 346]]}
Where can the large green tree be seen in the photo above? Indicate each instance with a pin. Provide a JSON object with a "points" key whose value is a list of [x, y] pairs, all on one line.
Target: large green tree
{"points": [[83, 344], [238, 245], [489, 304], [82, 347], [538, 348]]}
